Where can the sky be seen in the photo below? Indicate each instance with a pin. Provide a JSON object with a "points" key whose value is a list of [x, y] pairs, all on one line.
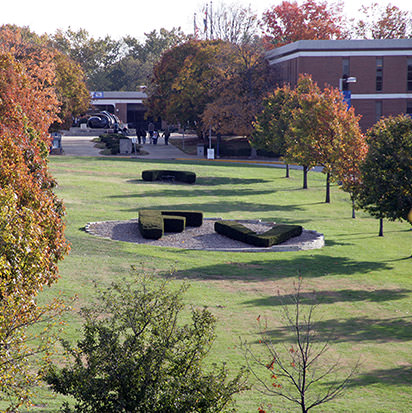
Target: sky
{"points": [[118, 18]]}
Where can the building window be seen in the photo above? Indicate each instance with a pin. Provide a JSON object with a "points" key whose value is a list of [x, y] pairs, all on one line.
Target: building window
{"points": [[345, 66], [409, 75], [378, 110], [379, 74], [409, 108], [345, 73]]}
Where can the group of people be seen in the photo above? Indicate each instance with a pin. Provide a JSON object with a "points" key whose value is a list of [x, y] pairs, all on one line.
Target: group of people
{"points": [[153, 135]]}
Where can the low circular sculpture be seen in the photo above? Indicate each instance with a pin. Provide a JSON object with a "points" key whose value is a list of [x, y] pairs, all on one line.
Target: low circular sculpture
{"points": [[202, 238]]}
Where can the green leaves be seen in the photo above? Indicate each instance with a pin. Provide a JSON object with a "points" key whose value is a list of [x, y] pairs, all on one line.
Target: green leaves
{"points": [[136, 355], [387, 171]]}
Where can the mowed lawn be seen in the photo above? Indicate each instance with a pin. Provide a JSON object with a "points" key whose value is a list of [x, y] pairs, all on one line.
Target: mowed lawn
{"points": [[363, 282]]}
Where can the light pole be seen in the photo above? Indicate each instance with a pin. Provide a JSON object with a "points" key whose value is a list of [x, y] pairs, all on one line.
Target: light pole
{"points": [[343, 87], [345, 80]]}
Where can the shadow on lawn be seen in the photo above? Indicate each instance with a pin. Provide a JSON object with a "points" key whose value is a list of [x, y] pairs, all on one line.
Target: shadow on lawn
{"points": [[279, 268], [355, 329], [216, 209], [208, 181], [193, 192], [393, 377], [329, 297]]}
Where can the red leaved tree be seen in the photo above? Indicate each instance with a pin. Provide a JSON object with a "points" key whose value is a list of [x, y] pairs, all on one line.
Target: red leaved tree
{"points": [[289, 22]]}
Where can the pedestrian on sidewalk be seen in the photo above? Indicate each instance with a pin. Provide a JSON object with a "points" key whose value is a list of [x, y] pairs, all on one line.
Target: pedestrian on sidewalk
{"points": [[155, 136], [166, 135], [150, 129]]}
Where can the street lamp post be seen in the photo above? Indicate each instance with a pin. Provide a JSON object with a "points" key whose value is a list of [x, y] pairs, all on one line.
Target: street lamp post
{"points": [[343, 87]]}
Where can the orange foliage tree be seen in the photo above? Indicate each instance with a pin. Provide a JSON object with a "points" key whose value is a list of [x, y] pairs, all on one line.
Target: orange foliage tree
{"points": [[289, 22], [324, 132], [39, 56], [31, 227]]}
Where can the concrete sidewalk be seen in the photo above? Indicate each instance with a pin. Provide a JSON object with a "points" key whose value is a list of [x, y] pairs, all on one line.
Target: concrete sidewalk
{"points": [[84, 146], [79, 146]]}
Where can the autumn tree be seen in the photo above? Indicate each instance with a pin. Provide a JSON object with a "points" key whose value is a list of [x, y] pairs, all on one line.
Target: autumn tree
{"points": [[71, 90], [238, 97], [289, 22], [32, 239], [273, 121], [184, 81], [383, 22], [387, 170], [138, 355], [311, 127], [298, 368], [69, 85], [323, 130], [298, 143]]}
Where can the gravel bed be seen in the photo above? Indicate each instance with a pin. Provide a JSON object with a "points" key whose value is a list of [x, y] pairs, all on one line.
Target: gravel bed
{"points": [[201, 238]]}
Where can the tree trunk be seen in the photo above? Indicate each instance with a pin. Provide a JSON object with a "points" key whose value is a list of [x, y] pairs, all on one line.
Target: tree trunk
{"points": [[381, 227], [305, 177], [353, 207], [327, 200], [287, 170]]}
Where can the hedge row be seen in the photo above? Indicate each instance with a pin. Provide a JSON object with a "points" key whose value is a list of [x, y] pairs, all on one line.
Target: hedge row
{"points": [[112, 141], [153, 223], [276, 235], [158, 174]]}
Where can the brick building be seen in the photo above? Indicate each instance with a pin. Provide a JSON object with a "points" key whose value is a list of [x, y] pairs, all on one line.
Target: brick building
{"points": [[128, 106], [382, 68]]}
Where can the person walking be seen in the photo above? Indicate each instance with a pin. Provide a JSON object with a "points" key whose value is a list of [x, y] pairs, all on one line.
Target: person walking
{"points": [[166, 135], [150, 129], [138, 135]]}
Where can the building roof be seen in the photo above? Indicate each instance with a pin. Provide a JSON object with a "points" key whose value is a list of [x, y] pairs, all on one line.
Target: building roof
{"points": [[118, 95], [380, 47]]}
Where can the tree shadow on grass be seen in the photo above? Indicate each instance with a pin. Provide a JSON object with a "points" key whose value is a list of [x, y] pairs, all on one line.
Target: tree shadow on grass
{"points": [[330, 297], [262, 269], [355, 329], [393, 377], [222, 180], [216, 209], [191, 192], [207, 181]]}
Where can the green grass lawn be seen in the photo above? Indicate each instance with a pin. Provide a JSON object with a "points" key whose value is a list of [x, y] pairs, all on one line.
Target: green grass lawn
{"points": [[363, 282]]}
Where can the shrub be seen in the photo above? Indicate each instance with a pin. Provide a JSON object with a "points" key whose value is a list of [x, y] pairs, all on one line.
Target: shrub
{"points": [[158, 174], [193, 218], [173, 223], [276, 235], [153, 223], [137, 355]]}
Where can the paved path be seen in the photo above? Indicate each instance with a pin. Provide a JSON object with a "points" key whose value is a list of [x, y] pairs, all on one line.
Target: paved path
{"points": [[83, 146], [79, 146]]}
